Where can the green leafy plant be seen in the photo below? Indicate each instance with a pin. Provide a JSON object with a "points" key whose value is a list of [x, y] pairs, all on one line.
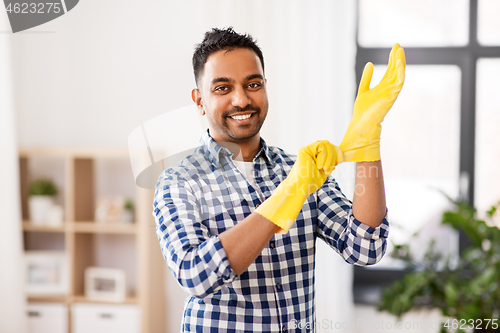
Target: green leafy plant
{"points": [[42, 186], [129, 205], [467, 291]]}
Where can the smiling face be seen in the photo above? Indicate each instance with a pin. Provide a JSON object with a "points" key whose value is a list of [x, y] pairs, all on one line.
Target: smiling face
{"points": [[233, 96]]}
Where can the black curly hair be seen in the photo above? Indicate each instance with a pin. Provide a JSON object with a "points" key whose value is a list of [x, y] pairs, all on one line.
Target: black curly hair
{"points": [[221, 39]]}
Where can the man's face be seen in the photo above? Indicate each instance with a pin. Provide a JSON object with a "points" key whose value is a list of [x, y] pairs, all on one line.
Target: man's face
{"points": [[233, 95]]}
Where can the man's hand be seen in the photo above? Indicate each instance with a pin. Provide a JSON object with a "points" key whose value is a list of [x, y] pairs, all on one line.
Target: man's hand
{"points": [[314, 163], [361, 141]]}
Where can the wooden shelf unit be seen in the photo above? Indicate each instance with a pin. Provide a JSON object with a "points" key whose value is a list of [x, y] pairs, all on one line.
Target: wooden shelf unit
{"points": [[82, 238]]}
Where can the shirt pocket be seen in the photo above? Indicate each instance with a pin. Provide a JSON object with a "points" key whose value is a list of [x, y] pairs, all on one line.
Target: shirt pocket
{"points": [[299, 241]]}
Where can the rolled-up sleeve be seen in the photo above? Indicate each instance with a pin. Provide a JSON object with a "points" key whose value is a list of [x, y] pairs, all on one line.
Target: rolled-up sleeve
{"points": [[357, 243], [196, 258]]}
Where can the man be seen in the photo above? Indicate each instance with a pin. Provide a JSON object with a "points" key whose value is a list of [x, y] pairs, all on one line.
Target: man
{"points": [[237, 221]]}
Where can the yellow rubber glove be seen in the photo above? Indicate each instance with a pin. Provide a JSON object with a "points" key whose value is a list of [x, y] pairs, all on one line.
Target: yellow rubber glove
{"points": [[314, 163], [361, 141]]}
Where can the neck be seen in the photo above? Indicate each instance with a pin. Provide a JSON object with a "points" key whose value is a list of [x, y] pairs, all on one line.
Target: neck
{"points": [[244, 150], [249, 149]]}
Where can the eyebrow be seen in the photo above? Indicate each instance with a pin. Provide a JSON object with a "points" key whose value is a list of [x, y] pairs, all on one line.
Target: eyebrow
{"points": [[225, 79], [254, 76]]}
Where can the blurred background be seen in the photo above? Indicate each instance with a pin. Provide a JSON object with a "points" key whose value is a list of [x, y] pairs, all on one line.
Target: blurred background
{"points": [[73, 89]]}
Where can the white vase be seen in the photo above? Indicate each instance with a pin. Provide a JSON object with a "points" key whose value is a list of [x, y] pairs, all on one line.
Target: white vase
{"points": [[55, 216], [39, 206], [127, 216]]}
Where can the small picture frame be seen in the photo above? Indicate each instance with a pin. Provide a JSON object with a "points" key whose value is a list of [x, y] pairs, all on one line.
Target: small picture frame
{"points": [[46, 273], [114, 210], [105, 284]]}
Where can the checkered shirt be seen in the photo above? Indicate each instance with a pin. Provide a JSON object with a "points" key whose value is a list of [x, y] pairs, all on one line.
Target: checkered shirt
{"points": [[206, 194]]}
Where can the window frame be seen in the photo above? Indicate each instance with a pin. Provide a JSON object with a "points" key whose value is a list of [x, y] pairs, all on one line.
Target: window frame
{"points": [[372, 280]]}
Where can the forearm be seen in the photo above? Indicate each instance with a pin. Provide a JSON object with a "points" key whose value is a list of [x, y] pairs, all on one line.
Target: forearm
{"points": [[369, 206], [245, 241]]}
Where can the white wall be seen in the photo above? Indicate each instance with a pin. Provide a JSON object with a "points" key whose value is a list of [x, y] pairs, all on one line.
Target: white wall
{"points": [[91, 76], [12, 301]]}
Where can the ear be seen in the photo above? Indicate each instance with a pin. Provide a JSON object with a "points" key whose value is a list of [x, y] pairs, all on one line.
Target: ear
{"points": [[196, 96]]}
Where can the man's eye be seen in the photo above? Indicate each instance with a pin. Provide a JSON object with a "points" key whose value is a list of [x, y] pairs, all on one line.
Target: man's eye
{"points": [[254, 85], [221, 89]]}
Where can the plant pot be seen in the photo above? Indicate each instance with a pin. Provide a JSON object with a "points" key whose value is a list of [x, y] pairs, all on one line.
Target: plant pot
{"points": [[55, 216], [39, 207], [127, 216]]}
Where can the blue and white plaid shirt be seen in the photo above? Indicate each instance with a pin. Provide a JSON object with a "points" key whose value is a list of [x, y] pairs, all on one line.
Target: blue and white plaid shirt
{"points": [[206, 194]]}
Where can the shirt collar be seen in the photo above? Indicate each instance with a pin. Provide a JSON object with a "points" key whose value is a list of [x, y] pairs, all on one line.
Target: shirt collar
{"points": [[214, 151]]}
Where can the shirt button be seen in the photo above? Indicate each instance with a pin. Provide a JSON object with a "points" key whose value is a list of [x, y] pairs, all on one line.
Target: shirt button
{"points": [[278, 286], [272, 245], [284, 328], [257, 206]]}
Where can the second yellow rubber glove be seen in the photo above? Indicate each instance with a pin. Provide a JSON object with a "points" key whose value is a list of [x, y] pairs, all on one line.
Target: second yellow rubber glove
{"points": [[314, 163], [361, 141]]}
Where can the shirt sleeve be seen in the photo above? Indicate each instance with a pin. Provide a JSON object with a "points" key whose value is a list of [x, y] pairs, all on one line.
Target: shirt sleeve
{"points": [[196, 258], [357, 243]]}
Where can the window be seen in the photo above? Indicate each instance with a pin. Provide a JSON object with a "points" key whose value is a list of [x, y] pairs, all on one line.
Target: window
{"points": [[420, 153], [488, 24], [487, 180], [435, 137], [413, 23]]}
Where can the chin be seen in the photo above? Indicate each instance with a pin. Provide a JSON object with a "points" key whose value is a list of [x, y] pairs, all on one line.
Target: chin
{"points": [[244, 137]]}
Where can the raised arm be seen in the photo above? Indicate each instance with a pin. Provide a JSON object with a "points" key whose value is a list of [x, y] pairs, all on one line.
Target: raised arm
{"points": [[361, 142]]}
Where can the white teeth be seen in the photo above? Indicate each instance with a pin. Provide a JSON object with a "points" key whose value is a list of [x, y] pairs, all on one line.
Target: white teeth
{"points": [[246, 116]]}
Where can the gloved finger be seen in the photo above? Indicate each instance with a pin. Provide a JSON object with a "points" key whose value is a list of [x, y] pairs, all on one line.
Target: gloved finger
{"points": [[396, 77], [331, 158], [321, 154], [309, 155], [393, 77], [306, 153], [366, 78], [400, 55], [392, 61], [401, 73]]}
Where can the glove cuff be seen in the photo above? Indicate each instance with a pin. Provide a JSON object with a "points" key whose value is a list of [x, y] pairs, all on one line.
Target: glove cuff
{"points": [[365, 152], [283, 207]]}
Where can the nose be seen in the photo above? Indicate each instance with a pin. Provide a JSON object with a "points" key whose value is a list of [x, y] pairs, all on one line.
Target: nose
{"points": [[240, 98]]}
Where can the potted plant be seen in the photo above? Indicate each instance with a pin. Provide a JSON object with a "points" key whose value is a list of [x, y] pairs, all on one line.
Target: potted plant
{"points": [[41, 194], [467, 292], [128, 211]]}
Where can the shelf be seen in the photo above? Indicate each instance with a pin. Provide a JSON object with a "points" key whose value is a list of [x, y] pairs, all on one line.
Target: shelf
{"points": [[78, 299], [104, 228], [84, 299], [86, 177], [28, 226], [74, 153], [84, 227], [51, 299]]}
